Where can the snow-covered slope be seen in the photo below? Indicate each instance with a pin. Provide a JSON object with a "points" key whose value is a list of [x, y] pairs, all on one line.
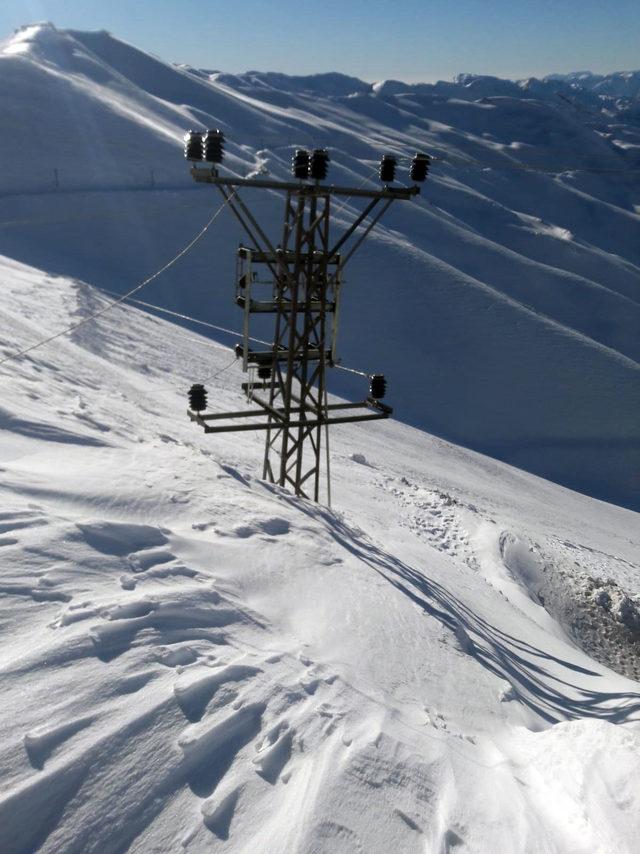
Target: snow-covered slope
{"points": [[619, 84], [194, 660], [503, 306]]}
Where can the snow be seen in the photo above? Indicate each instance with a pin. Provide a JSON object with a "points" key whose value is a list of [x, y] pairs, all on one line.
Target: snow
{"points": [[196, 660], [193, 659], [510, 286]]}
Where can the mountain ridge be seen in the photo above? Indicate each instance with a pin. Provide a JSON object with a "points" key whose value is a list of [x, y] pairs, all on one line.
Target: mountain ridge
{"points": [[528, 222], [322, 81]]}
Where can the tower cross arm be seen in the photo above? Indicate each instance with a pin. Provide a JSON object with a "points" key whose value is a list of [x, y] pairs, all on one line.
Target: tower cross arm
{"points": [[210, 176]]}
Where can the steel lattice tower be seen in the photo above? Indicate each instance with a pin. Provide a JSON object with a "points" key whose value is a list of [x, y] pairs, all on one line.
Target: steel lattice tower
{"points": [[298, 283]]}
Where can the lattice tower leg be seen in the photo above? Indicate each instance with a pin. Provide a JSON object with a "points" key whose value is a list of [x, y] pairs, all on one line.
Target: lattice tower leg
{"points": [[298, 383]]}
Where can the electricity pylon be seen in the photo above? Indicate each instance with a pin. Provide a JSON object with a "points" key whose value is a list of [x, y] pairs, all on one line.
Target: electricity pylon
{"points": [[298, 282]]}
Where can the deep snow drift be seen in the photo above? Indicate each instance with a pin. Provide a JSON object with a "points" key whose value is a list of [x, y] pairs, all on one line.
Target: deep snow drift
{"points": [[503, 305], [194, 660]]}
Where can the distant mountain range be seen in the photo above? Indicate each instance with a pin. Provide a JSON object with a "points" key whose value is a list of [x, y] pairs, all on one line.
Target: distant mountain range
{"points": [[618, 85]]}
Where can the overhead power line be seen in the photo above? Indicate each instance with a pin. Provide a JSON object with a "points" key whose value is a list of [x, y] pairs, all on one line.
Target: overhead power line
{"points": [[181, 316], [124, 297], [218, 328]]}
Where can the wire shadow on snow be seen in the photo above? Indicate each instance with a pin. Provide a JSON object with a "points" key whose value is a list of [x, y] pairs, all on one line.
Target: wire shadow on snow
{"points": [[555, 698]]}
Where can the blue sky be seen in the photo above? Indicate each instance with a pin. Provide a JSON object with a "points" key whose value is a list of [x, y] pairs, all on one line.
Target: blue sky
{"points": [[372, 39]]}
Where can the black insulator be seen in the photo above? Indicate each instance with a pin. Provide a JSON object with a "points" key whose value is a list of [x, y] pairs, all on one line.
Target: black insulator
{"points": [[193, 145], [197, 397], [264, 372], [300, 164], [420, 167], [213, 146], [377, 386], [319, 164], [388, 168]]}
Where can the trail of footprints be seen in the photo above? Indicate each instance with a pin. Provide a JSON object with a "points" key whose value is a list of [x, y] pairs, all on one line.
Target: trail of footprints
{"points": [[152, 563], [434, 516]]}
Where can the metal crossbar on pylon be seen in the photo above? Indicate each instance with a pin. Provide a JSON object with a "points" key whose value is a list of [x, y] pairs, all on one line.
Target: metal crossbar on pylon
{"points": [[298, 282]]}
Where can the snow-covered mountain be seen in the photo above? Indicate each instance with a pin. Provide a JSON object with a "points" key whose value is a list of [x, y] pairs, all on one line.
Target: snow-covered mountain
{"points": [[619, 84], [503, 305], [194, 660]]}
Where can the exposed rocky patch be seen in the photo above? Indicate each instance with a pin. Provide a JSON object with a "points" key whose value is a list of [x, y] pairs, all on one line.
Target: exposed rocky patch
{"points": [[600, 616]]}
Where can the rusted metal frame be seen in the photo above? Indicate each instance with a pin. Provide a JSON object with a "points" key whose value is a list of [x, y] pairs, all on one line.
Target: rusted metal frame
{"points": [[300, 331], [367, 230]]}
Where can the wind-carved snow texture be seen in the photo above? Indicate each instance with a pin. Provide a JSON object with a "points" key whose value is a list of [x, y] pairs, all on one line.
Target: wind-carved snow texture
{"points": [[199, 661], [182, 650], [195, 660]]}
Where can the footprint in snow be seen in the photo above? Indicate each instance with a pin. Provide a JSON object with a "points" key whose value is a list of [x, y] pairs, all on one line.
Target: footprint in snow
{"points": [[273, 527], [119, 538]]}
